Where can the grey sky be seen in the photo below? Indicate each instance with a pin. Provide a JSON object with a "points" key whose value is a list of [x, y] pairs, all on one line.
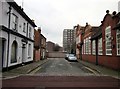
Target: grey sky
{"points": [[53, 16]]}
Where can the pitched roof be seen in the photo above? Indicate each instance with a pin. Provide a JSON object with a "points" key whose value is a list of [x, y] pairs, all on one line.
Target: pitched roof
{"points": [[21, 12]]}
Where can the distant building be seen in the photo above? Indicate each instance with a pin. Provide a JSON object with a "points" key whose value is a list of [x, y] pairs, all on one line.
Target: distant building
{"points": [[50, 46], [68, 40], [119, 6], [79, 42], [39, 45], [17, 35], [43, 47]]}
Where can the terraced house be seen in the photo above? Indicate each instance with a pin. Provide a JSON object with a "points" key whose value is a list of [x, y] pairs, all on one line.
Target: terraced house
{"points": [[17, 35], [101, 45]]}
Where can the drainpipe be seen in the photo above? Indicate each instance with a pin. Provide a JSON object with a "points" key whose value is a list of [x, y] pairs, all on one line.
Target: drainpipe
{"points": [[96, 51], [8, 35]]}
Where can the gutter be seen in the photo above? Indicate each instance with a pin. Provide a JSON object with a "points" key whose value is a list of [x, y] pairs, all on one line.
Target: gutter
{"points": [[8, 36]]}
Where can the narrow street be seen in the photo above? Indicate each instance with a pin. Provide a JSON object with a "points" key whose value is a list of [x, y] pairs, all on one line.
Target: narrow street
{"points": [[62, 74], [62, 67]]}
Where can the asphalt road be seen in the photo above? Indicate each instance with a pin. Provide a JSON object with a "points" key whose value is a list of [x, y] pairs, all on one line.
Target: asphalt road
{"points": [[62, 67], [61, 74]]}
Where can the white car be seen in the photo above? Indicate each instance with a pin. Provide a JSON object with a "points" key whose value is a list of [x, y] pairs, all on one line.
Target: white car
{"points": [[66, 56], [72, 57]]}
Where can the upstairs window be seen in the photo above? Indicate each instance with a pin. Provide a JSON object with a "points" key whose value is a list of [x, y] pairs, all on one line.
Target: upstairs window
{"points": [[118, 42], [30, 30], [14, 22], [108, 40], [24, 25]]}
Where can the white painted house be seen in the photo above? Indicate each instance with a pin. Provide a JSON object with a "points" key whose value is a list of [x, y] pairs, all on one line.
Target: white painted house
{"points": [[16, 34]]}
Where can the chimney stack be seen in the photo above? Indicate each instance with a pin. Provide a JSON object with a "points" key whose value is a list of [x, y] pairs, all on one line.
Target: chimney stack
{"points": [[39, 29]]}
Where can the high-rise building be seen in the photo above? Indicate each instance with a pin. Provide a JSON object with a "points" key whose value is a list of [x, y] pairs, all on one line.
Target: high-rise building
{"points": [[119, 6], [68, 40]]}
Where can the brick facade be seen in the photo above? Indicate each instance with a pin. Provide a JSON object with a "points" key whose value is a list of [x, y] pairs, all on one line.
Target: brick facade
{"points": [[100, 43], [37, 42]]}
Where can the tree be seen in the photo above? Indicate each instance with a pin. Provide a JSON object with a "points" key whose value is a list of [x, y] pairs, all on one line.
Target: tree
{"points": [[57, 47]]}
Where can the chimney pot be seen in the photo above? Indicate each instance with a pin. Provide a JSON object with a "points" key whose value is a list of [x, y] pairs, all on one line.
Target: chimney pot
{"points": [[107, 11]]}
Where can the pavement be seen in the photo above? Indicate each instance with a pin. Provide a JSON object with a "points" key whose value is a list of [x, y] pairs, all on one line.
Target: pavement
{"points": [[22, 70], [27, 69], [101, 70]]}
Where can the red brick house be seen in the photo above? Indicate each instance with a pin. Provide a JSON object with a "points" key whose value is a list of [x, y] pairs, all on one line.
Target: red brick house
{"points": [[87, 47], [79, 40], [50, 46], [43, 47], [37, 46], [102, 45]]}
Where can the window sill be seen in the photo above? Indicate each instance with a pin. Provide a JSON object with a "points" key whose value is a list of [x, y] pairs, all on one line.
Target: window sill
{"points": [[29, 57]]}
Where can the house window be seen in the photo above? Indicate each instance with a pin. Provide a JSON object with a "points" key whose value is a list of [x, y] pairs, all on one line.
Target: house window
{"points": [[93, 47], [108, 40], [84, 47], [14, 22], [100, 46], [89, 44], [29, 50], [24, 25], [118, 42], [14, 52], [30, 32]]}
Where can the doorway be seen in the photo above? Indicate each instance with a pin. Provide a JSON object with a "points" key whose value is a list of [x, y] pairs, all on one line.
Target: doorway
{"points": [[23, 52]]}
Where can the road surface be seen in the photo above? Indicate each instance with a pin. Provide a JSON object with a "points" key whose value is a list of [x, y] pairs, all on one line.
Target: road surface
{"points": [[61, 74]]}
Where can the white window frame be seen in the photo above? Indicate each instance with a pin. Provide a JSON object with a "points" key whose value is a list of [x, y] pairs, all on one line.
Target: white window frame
{"points": [[100, 50], [89, 45], [84, 47], [30, 32], [14, 22], [108, 40], [93, 47], [118, 41]]}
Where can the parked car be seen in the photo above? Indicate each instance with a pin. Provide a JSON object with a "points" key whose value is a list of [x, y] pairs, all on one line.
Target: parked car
{"points": [[66, 56], [71, 57]]}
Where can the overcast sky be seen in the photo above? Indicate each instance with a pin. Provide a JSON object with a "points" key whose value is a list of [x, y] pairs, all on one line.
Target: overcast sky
{"points": [[53, 16]]}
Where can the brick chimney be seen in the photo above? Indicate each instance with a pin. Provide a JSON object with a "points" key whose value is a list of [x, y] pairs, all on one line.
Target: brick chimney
{"points": [[39, 30]]}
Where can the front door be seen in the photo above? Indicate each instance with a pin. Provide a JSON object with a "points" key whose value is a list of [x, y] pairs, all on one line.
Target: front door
{"points": [[3, 51], [23, 53]]}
